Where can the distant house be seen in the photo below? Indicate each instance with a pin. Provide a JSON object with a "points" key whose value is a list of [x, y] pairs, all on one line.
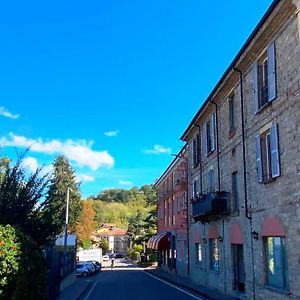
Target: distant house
{"points": [[117, 238]]}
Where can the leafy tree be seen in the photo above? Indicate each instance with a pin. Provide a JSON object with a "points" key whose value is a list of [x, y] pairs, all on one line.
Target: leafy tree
{"points": [[86, 224], [104, 245], [63, 178], [20, 201], [18, 254], [136, 226]]}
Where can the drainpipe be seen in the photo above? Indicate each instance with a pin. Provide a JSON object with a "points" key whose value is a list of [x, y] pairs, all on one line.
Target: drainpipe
{"points": [[247, 213], [217, 138]]}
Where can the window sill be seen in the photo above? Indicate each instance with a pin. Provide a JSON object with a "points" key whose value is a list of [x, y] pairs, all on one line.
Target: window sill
{"points": [[209, 153], [277, 289], [263, 107], [267, 180]]}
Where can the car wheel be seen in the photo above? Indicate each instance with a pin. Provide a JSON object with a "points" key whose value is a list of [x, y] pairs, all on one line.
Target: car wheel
{"points": [[84, 274]]}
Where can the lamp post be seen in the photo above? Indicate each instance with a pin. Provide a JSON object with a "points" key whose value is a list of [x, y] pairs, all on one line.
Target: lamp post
{"points": [[67, 216]]}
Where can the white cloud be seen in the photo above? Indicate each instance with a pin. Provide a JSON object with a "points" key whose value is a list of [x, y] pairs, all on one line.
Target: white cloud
{"points": [[5, 113], [158, 149], [78, 151], [30, 163], [85, 178], [111, 133], [125, 182]]}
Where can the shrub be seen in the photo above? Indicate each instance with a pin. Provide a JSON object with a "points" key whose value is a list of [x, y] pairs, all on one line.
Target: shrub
{"points": [[9, 258], [135, 255], [23, 273]]}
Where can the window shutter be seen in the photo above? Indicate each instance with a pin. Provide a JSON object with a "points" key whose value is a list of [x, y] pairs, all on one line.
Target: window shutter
{"points": [[258, 159], [275, 151], [271, 73], [205, 137], [212, 131], [255, 86]]}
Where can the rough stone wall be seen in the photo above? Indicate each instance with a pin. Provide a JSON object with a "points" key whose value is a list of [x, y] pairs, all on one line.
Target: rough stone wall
{"points": [[280, 197]]}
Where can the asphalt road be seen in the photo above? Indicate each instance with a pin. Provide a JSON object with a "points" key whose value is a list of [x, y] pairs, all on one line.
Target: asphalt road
{"points": [[126, 282]]}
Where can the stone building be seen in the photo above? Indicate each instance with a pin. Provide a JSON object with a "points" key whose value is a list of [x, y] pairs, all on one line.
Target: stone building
{"points": [[171, 240], [244, 167]]}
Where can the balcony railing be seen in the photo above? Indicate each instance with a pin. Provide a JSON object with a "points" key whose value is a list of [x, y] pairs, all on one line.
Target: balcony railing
{"points": [[210, 205]]}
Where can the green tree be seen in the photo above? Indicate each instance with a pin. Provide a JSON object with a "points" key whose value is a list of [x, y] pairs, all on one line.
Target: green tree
{"points": [[104, 245], [63, 178], [20, 201]]}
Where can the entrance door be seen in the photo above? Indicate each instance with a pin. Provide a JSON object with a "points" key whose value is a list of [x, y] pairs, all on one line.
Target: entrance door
{"points": [[238, 267]]}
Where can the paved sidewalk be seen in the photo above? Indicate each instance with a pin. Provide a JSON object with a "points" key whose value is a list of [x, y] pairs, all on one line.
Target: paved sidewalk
{"points": [[77, 289], [189, 285]]}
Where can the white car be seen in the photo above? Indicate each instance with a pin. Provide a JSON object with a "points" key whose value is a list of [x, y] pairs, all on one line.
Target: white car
{"points": [[105, 257]]}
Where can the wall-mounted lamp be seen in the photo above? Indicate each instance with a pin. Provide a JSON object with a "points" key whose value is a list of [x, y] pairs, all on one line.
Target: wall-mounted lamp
{"points": [[204, 241], [220, 238], [254, 235]]}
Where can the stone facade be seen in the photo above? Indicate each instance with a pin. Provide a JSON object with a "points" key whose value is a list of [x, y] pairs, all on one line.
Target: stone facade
{"points": [[228, 248]]}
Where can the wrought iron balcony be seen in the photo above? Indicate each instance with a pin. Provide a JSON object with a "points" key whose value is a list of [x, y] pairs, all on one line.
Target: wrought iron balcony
{"points": [[210, 205]]}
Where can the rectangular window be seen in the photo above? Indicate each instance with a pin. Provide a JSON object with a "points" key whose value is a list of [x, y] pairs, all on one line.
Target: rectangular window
{"points": [[267, 154], [232, 113], [214, 254], [235, 191], [196, 151], [198, 253], [264, 78], [195, 189], [211, 180], [276, 262], [209, 129]]}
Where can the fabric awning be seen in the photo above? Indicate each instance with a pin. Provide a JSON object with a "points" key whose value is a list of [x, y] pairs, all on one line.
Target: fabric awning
{"points": [[160, 241]]}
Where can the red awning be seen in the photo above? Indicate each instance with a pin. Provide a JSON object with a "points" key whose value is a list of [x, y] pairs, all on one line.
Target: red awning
{"points": [[160, 241]]}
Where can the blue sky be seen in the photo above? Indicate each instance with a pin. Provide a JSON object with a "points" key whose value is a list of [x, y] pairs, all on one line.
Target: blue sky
{"points": [[112, 84]]}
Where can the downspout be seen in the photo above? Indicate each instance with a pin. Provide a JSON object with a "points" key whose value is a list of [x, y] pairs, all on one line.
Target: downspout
{"points": [[247, 213], [217, 138]]}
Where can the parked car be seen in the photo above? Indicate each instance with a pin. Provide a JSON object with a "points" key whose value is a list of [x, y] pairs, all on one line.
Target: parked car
{"points": [[97, 265], [119, 255], [90, 266], [105, 257], [82, 269]]}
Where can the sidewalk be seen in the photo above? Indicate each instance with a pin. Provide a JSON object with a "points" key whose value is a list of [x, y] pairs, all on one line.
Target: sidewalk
{"points": [[76, 289], [186, 283]]}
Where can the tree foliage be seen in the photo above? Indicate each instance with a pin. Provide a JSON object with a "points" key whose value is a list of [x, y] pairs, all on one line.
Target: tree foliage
{"points": [[20, 257], [20, 201], [104, 245], [63, 178], [86, 224]]}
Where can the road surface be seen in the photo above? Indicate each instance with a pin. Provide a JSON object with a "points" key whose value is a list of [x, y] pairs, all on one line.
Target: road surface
{"points": [[126, 282]]}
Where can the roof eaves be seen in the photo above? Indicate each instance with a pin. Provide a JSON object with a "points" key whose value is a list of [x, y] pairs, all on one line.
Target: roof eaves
{"points": [[231, 66]]}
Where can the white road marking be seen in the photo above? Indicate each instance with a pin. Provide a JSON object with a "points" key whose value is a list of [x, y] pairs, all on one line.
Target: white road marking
{"points": [[174, 286], [91, 290]]}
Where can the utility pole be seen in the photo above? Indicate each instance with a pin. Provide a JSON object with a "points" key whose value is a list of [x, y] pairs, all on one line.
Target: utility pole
{"points": [[67, 216]]}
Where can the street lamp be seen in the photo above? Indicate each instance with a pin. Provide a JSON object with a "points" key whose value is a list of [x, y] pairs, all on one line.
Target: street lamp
{"points": [[67, 216]]}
